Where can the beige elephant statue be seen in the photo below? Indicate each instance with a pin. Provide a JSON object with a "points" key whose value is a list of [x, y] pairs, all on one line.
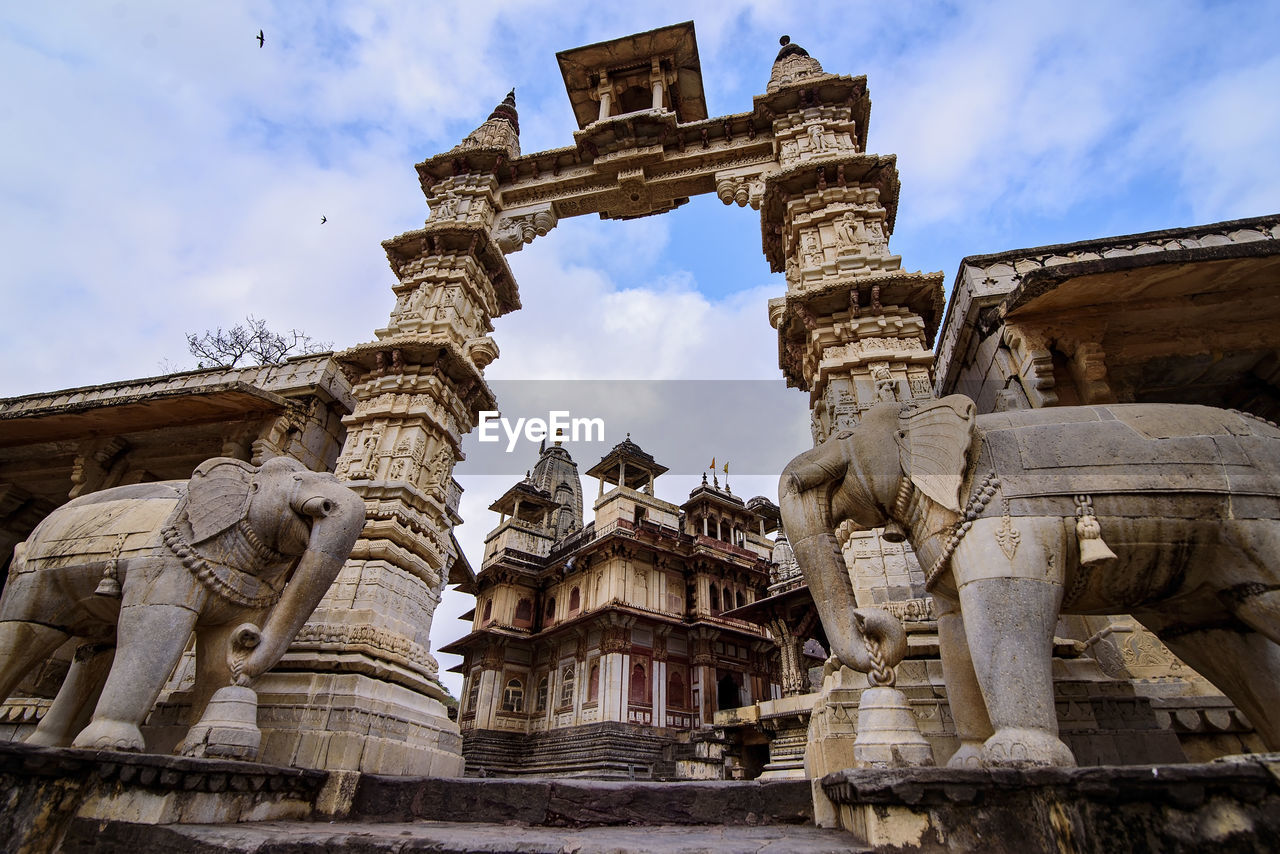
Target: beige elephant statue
{"points": [[132, 571], [1166, 512]]}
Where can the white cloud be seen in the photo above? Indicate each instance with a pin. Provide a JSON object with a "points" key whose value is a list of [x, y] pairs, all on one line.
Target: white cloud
{"points": [[1226, 132]]}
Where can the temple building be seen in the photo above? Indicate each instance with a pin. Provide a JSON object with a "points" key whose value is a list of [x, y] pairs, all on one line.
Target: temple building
{"points": [[597, 648]]}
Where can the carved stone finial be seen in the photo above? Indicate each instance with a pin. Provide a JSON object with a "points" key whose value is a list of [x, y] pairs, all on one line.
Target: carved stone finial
{"points": [[792, 65], [507, 110], [789, 49], [501, 130]]}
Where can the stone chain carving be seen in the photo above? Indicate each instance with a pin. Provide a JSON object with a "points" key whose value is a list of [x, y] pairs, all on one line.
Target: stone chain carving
{"points": [[978, 501], [882, 673]]}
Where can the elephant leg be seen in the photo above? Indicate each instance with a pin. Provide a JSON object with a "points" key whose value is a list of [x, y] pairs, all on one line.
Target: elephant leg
{"points": [[1009, 625], [23, 645], [1244, 665], [968, 709], [212, 672], [150, 640], [76, 698]]}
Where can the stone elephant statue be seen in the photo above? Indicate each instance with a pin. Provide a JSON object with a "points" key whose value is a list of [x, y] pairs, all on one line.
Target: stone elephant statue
{"points": [[1166, 512], [132, 571]]}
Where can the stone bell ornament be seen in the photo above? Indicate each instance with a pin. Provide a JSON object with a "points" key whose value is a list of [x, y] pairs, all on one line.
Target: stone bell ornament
{"points": [[1093, 551], [888, 734], [228, 729]]}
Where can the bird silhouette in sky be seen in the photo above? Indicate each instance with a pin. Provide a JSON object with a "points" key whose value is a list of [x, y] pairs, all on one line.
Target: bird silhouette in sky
{"points": [[261, 39], [323, 219]]}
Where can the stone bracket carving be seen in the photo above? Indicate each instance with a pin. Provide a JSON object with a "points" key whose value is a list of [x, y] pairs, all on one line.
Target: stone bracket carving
{"points": [[515, 229], [741, 186], [1035, 365]]}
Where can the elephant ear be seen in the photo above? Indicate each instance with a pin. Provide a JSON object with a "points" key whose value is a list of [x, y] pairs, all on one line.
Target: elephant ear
{"points": [[218, 496], [933, 443]]}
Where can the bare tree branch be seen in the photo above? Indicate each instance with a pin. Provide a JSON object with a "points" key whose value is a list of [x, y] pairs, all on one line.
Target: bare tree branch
{"points": [[251, 343]]}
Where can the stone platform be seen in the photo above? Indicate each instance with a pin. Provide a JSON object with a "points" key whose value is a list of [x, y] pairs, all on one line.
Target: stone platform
{"points": [[83, 801], [460, 838], [1225, 806]]}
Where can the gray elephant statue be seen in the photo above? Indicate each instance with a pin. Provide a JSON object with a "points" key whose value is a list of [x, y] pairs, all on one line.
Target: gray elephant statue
{"points": [[130, 572], [1166, 512]]}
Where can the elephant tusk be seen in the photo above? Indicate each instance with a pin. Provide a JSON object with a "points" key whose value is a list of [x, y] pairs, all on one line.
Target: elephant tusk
{"points": [[317, 507]]}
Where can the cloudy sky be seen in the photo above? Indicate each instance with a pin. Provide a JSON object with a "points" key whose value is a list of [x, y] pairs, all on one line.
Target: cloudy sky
{"points": [[162, 174]]}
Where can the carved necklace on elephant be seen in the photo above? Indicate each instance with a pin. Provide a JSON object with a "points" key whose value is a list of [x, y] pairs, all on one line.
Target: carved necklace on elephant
{"points": [[978, 501], [225, 581]]}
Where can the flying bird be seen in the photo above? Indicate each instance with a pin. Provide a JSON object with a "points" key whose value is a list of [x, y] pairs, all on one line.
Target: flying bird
{"points": [[261, 38], [323, 219]]}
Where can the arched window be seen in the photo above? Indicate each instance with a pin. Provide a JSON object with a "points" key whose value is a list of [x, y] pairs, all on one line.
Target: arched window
{"points": [[593, 684], [575, 601], [540, 702], [524, 611], [675, 691], [715, 599], [488, 610], [728, 598], [639, 685], [551, 608], [513, 696], [741, 600], [566, 686]]}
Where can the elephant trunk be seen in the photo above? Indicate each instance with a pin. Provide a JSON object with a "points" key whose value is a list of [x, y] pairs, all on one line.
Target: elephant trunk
{"points": [[806, 519], [847, 627], [338, 518]]}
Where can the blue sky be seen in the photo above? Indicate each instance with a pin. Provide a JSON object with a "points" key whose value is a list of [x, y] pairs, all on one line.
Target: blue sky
{"points": [[162, 174]]}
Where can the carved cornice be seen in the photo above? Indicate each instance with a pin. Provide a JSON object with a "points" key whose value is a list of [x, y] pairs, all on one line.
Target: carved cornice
{"points": [[453, 238]]}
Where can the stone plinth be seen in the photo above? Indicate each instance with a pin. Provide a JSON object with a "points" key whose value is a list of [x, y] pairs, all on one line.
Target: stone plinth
{"points": [[786, 721], [1221, 806], [46, 789]]}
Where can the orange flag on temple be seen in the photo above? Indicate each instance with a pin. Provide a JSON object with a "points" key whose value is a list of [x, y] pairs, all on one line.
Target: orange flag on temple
{"points": [[713, 463]]}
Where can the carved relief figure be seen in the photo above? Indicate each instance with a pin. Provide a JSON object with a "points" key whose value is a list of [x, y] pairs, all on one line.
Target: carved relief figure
{"points": [[812, 250], [1015, 521], [875, 235], [886, 386], [847, 228], [816, 141], [446, 207], [368, 455], [140, 567], [439, 469]]}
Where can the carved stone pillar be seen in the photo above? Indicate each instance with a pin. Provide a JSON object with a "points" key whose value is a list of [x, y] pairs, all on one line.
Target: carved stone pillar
{"points": [[795, 680], [363, 663], [702, 664], [615, 646], [853, 327]]}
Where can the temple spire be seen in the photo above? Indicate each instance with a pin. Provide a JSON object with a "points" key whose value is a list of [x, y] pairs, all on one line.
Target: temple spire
{"points": [[501, 130]]}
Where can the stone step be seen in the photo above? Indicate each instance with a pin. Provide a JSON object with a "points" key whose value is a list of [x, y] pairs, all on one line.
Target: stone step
{"points": [[300, 837], [582, 803]]}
